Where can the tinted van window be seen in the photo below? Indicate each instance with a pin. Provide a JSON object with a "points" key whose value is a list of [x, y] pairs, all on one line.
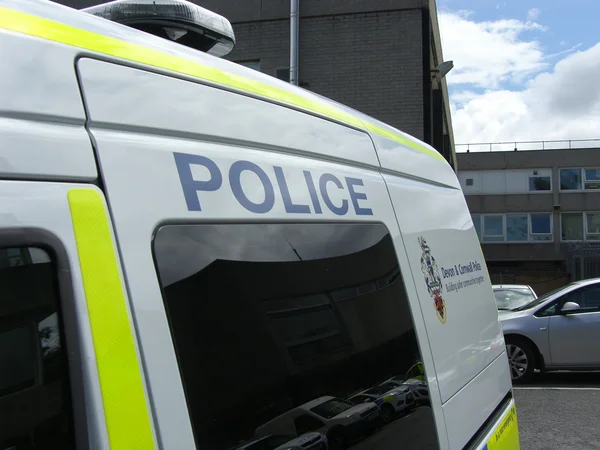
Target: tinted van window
{"points": [[35, 401], [272, 323]]}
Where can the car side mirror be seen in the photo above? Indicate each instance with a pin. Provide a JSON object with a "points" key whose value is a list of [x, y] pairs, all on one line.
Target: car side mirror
{"points": [[570, 307]]}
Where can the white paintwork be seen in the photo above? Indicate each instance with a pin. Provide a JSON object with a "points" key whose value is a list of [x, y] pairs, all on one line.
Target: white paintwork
{"points": [[44, 206], [510, 181], [142, 199], [137, 119], [472, 337], [54, 151], [43, 115], [119, 97], [481, 396]]}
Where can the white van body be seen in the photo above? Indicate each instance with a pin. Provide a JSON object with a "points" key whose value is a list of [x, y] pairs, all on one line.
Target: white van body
{"points": [[109, 135]]}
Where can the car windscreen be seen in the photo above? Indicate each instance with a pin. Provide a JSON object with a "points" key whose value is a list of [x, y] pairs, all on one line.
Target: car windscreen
{"points": [[378, 390], [511, 298], [331, 408], [541, 299]]}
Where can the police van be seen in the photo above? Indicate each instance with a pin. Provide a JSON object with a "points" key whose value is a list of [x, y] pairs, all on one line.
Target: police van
{"points": [[190, 248]]}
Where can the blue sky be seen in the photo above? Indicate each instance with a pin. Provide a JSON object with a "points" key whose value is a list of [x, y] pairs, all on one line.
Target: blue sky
{"points": [[522, 69]]}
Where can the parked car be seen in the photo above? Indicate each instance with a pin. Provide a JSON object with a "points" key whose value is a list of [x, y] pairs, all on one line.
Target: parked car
{"points": [[418, 388], [557, 331], [307, 441], [341, 421], [390, 397], [511, 296]]}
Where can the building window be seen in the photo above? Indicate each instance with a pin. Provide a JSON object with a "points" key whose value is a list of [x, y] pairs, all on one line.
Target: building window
{"points": [[541, 227], [570, 179], [283, 74], [518, 227], [580, 226], [477, 224], [540, 184], [592, 226], [579, 179], [469, 181], [255, 65], [591, 178], [493, 228], [571, 225], [295, 309]]}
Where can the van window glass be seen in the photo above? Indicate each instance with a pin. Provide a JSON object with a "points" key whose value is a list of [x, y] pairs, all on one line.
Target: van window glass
{"points": [[35, 401], [273, 321]]}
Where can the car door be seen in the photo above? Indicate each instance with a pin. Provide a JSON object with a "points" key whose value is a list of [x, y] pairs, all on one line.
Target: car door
{"points": [[574, 336]]}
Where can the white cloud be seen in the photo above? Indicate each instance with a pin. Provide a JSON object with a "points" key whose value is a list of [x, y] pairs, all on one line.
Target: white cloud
{"points": [[504, 88], [533, 13], [486, 54]]}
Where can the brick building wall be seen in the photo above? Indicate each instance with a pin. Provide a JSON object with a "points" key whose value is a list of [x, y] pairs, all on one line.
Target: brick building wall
{"points": [[371, 62], [372, 55]]}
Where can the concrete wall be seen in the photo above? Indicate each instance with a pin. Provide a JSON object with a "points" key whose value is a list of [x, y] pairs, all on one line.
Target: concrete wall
{"points": [[528, 159], [538, 202], [554, 201]]}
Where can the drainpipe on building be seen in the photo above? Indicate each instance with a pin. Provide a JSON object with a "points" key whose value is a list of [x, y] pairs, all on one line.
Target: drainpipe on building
{"points": [[294, 41]]}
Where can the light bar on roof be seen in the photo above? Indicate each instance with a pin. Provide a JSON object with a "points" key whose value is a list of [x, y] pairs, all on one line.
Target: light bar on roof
{"points": [[176, 20]]}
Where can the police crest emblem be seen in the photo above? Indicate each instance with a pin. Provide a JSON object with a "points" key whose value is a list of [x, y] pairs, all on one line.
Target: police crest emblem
{"points": [[433, 280]]}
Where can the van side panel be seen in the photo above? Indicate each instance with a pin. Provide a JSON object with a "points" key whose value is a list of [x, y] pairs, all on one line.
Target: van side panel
{"points": [[452, 280], [473, 404], [194, 110], [164, 170], [41, 117], [398, 158]]}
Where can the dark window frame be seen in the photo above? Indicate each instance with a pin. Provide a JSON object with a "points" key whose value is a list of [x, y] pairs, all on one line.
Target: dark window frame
{"points": [[69, 331]]}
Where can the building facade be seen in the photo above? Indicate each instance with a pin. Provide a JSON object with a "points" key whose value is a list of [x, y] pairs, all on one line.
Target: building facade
{"points": [[377, 56], [537, 213]]}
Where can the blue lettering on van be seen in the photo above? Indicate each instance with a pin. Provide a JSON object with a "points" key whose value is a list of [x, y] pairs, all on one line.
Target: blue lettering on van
{"points": [[356, 196], [326, 178], [350, 193], [312, 190], [235, 180], [190, 187], [290, 207]]}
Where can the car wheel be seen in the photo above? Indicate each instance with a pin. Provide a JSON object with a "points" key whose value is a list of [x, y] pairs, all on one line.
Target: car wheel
{"points": [[387, 413], [521, 360]]}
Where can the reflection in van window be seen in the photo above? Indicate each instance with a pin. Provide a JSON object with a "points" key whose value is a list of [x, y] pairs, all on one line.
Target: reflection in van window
{"points": [[35, 404], [331, 408], [277, 326]]}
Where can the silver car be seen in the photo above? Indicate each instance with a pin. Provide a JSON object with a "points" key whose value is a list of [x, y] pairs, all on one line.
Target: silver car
{"points": [[557, 331]]}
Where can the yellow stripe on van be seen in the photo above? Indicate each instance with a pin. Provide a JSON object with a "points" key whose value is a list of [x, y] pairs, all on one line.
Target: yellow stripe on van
{"points": [[65, 34], [125, 408], [506, 434]]}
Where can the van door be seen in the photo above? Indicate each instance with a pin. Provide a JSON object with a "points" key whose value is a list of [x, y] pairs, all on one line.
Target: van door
{"points": [[456, 299], [67, 353], [263, 275]]}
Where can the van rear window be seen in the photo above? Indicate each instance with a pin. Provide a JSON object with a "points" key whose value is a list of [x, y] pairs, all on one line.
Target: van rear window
{"points": [[268, 320]]}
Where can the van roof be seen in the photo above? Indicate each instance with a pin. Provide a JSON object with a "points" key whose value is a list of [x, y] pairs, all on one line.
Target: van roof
{"points": [[89, 33], [315, 402]]}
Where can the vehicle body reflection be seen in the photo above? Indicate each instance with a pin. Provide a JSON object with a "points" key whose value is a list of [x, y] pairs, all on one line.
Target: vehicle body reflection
{"points": [[307, 441]]}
